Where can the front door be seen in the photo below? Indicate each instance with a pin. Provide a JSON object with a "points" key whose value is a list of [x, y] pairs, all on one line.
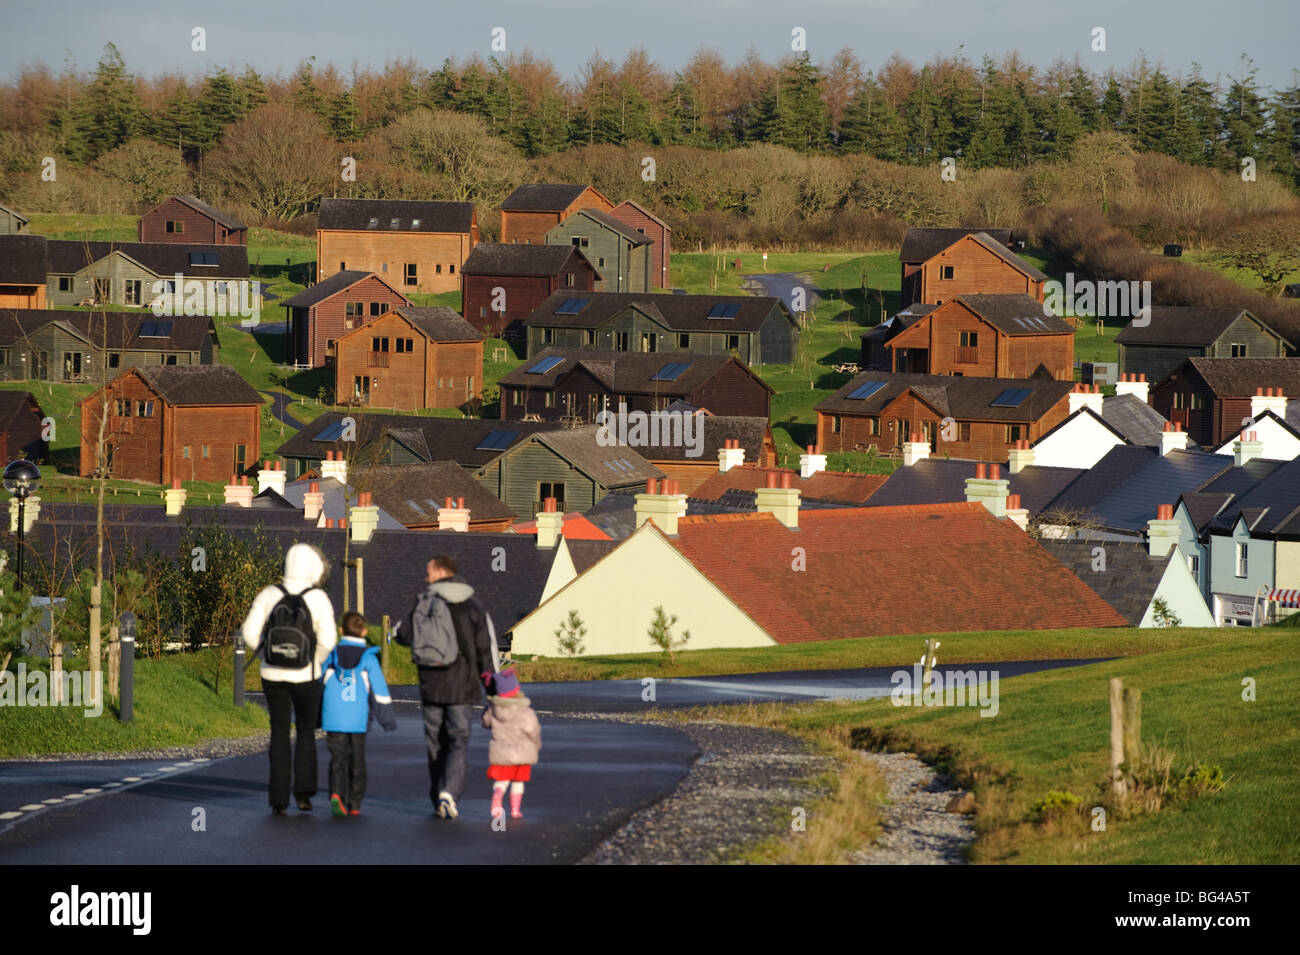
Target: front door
{"points": [[901, 428], [40, 365], [71, 365]]}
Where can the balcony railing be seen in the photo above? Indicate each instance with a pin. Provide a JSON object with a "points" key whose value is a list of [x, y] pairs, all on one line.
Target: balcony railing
{"points": [[378, 359], [968, 354]]}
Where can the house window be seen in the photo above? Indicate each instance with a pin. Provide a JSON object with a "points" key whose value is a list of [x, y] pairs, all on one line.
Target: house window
{"points": [[168, 359], [1015, 432], [516, 396], [1194, 565], [384, 268], [378, 308], [683, 341], [379, 344], [945, 272], [469, 385], [873, 426], [412, 274], [622, 341], [733, 343], [569, 279], [185, 452], [134, 292], [343, 267], [970, 339], [550, 399], [548, 336], [207, 450], [589, 336], [440, 382], [1242, 566], [600, 262], [451, 269], [65, 283], [175, 227], [836, 423], [353, 309], [649, 342], [482, 311], [965, 431], [1238, 350], [581, 242], [102, 289], [4, 356], [361, 386], [144, 409], [437, 269], [240, 458], [547, 489]]}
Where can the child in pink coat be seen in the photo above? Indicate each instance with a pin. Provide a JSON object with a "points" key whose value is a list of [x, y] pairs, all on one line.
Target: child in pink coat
{"points": [[516, 741]]}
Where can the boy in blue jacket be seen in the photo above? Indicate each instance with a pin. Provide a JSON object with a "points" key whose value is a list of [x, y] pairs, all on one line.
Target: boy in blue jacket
{"points": [[354, 689]]}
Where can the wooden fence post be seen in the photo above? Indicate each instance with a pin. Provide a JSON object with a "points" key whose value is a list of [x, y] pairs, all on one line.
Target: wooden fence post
{"points": [[1132, 727], [384, 654], [1117, 736], [114, 662]]}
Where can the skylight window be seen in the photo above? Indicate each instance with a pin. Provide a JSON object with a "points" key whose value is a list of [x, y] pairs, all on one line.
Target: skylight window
{"points": [[572, 306], [332, 433], [865, 390], [373, 223], [497, 441], [1011, 398], [545, 365], [155, 329], [415, 507], [203, 258], [671, 371], [724, 310]]}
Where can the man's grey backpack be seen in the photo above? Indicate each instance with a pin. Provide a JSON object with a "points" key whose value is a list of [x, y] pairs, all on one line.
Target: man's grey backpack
{"points": [[432, 632]]}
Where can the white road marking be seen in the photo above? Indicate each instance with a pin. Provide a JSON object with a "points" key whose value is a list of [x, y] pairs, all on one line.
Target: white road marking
{"points": [[10, 815], [51, 802], [74, 796], [31, 807], [130, 779], [89, 792], [111, 785]]}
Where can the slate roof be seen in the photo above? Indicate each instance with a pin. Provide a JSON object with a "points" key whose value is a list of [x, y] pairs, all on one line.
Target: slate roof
{"points": [[1016, 315], [1203, 506], [1181, 325], [1116, 466], [212, 212], [965, 570], [355, 215], [439, 323], [23, 259], [1271, 506], [715, 431], [613, 466], [413, 493], [1132, 504], [838, 486], [199, 385], [337, 501], [114, 330], [684, 313], [609, 222], [585, 553], [1239, 377], [941, 480], [615, 513], [624, 372], [512, 258], [11, 402], [542, 197], [326, 288], [164, 259], [443, 439], [968, 399], [1135, 420], [922, 244], [1131, 576]]}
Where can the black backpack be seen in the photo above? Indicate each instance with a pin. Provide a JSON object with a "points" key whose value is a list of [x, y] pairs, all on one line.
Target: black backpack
{"points": [[289, 638]]}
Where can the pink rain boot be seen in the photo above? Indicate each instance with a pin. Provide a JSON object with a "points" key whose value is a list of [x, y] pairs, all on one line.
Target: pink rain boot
{"points": [[497, 808], [516, 799]]}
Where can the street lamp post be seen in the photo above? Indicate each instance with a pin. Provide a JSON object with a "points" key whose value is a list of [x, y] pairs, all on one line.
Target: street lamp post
{"points": [[21, 479]]}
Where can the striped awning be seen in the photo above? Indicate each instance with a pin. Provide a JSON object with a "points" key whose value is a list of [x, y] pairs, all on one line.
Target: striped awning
{"points": [[1287, 598]]}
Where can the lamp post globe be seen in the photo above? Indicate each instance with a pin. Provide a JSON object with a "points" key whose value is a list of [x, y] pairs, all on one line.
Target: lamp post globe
{"points": [[21, 479]]}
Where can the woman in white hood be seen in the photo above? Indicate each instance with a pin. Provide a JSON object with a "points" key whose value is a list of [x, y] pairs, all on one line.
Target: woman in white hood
{"points": [[293, 621]]}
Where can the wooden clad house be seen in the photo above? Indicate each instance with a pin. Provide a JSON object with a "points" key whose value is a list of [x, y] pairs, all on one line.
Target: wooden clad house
{"points": [[988, 415], [570, 465], [526, 275], [135, 273], [619, 253], [1210, 398], [1175, 334], [192, 423], [641, 219], [410, 358], [533, 209], [23, 263], [940, 264], [414, 494], [985, 336], [414, 246], [756, 329], [12, 222], [77, 347], [188, 220], [21, 431], [576, 384], [320, 315]]}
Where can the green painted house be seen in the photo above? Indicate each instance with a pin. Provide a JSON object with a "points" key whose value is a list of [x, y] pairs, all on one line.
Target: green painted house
{"points": [[621, 255]]}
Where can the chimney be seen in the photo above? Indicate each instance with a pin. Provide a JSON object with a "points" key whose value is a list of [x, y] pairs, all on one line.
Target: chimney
{"points": [[1086, 396], [662, 502], [453, 515], [916, 448], [334, 467], [811, 462], [1017, 514], [1268, 399], [31, 511], [174, 498], [1163, 532], [730, 455], [1247, 447], [239, 492], [989, 488], [550, 525], [364, 517], [271, 476], [313, 502], [1171, 439], [1134, 385], [1020, 457], [779, 499]]}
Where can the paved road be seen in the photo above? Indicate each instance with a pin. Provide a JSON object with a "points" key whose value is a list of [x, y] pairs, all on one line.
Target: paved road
{"points": [[280, 408], [593, 776], [783, 284]]}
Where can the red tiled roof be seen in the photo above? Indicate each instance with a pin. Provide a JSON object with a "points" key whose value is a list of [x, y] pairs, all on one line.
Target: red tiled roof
{"points": [[841, 486], [889, 570], [575, 528]]}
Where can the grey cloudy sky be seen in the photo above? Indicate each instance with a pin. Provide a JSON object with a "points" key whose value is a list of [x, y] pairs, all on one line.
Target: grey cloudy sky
{"points": [[274, 35]]}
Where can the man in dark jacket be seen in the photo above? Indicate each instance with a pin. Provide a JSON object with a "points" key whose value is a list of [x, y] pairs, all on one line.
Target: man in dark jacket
{"points": [[447, 693]]}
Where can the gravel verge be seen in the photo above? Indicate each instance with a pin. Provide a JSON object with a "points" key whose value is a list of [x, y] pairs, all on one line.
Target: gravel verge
{"points": [[916, 828], [211, 748]]}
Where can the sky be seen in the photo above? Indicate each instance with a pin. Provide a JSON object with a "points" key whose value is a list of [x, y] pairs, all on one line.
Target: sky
{"points": [[275, 35]]}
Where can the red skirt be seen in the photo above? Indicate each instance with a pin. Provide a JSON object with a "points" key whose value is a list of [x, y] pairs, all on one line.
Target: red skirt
{"points": [[513, 774]]}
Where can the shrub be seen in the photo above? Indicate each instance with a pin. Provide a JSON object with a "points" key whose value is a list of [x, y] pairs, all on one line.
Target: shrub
{"points": [[1057, 802]]}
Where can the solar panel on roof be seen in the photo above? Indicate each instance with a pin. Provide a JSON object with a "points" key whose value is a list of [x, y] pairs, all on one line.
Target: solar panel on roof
{"points": [[572, 306], [203, 258], [866, 390], [332, 433], [545, 365], [724, 310], [497, 440], [671, 371], [415, 507], [1011, 398]]}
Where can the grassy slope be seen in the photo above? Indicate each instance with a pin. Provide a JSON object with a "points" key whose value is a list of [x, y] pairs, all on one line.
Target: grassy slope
{"points": [[1052, 732]]}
